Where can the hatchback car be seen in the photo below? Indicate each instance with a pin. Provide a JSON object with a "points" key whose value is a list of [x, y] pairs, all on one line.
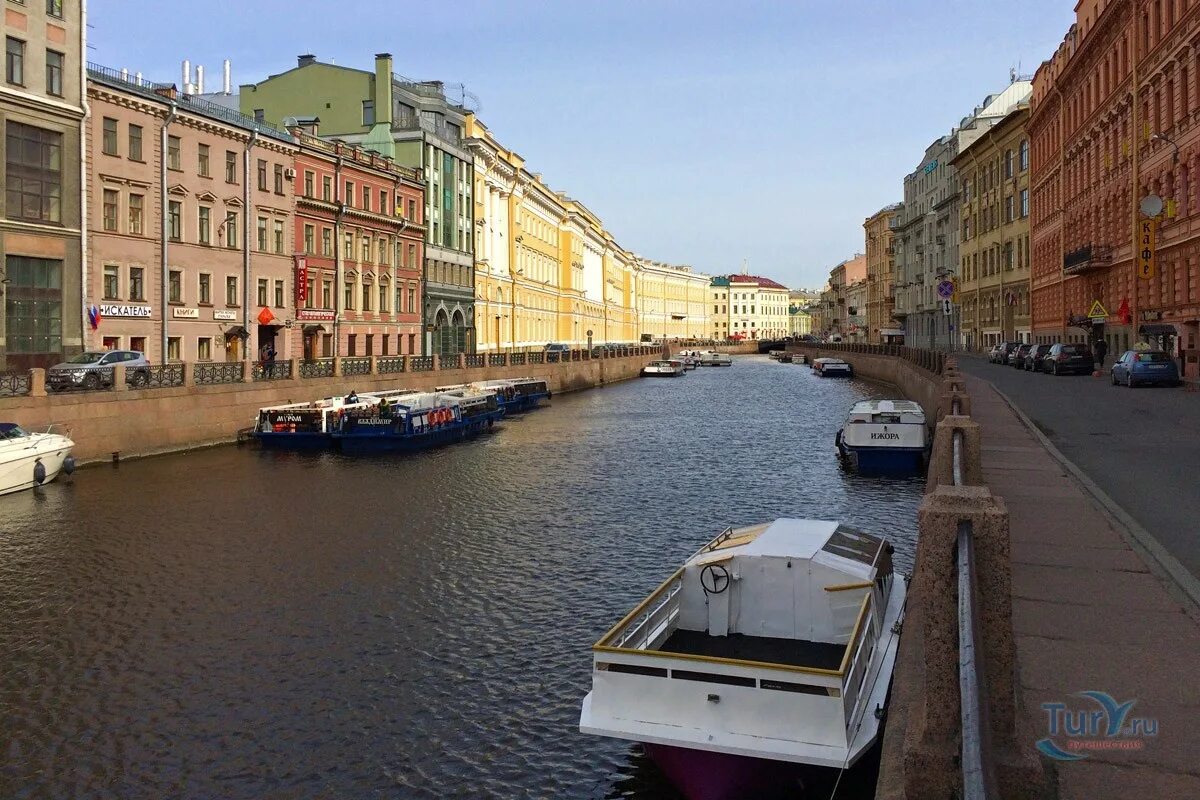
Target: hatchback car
{"points": [[1002, 351], [1016, 358], [1066, 358], [94, 369], [1033, 359], [1142, 367]]}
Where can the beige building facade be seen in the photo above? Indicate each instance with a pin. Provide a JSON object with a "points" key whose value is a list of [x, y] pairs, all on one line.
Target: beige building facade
{"points": [[993, 287], [881, 327], [672, 300], [43, 224]]}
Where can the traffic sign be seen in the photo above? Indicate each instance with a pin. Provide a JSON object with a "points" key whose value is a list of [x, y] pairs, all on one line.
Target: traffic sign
{"points": [[945, 290], [1097, 311], [947, 308]]}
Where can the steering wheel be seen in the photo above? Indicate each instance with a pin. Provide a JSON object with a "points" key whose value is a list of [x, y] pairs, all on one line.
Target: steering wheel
{"points": [[714, 579]]}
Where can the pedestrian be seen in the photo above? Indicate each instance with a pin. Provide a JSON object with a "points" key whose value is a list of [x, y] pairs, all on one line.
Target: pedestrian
{"points": [[352, 397], [269, 361], [383, 407], [1101, 350]]}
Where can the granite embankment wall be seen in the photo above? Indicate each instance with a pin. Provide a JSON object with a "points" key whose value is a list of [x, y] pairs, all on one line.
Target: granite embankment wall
{"points": [[135, 422], [916, 373]]}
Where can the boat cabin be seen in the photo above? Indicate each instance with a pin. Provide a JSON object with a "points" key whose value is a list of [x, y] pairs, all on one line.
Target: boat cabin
{"points": [[887, 412]]}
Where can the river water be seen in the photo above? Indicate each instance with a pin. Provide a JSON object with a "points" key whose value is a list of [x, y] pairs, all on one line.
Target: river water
{"points": [[234, 623]]}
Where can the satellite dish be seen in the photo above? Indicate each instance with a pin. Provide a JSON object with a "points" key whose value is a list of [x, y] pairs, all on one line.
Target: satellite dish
{"points": [[1152, 205]]}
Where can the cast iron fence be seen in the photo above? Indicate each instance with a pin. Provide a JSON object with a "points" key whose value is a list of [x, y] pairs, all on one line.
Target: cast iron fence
{"points": [[230, 372], [389, 365], [13, 384], [317, 368]]}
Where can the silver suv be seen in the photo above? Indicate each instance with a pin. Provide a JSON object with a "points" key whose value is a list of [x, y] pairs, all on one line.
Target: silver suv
{"points": [[92, 370]]}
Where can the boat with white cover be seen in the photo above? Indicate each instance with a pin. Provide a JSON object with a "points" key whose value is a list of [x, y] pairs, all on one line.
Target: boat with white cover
{"points": [[310, 425], [832, 368], [769, 649], [663, 369], [29, 459], [885, 436], [711, 358]]}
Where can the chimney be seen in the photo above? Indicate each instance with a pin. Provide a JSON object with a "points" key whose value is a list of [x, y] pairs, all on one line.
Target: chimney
{"points": [[306, 59], [187, 75], [227, 85], [200, 79], [124, 74], [383, 89]]}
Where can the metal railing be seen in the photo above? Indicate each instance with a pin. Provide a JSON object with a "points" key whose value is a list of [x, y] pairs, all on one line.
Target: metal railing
{"points": [[317, 368], [537, 358], [474, 360], [517, 359], [158, 376], [229, 372], [15, 384], [495, 359], [356, 365], [274, 371], [389, 365], [420, 363]]}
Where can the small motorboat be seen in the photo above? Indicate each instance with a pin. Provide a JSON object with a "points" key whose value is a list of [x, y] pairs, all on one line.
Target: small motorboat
{"points": [[29, 459], [885, 436], [832, 368], [769, 652], [689, 361], [711, 358], [663, 369]]}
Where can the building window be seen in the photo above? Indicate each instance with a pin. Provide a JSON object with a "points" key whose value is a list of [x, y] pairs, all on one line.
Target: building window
{"points": [[137, 283], [175, 286], [231, 290], [368, 111], [262, 291], [1024, 203], [204, 349], [348, 195], [348, 298], [262, 175], [54, 73], [348, 247], [326, 294], [412, 210], [108, 144], [112, 282], [262, 234], [173, 160], [205, 225], [310, 286], [202, 161], [278, 294], [412, 300], [366, 297], [175, 220], [278, 236], [366, 249], [1009, 208], [174, 348], [279, 179], [205, 284], [1008, 163], [383, 203], [34, 181], [231, 229], [310, 237], [327, 189], [136, 206], [383, 298], [1023, 158], [366, 198], [135, 142], [327, 242], [383, 252], [54, 8], [110, 209], [309, 177], [412, 255], [231, 172], [14, 61]]}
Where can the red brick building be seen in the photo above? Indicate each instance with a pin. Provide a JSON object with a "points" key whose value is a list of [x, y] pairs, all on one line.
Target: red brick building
{"points": [[1096, 152], [359, 245]]}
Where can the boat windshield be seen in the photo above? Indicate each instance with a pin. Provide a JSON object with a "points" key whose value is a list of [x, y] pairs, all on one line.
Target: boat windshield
{"points": [[11, 431]]}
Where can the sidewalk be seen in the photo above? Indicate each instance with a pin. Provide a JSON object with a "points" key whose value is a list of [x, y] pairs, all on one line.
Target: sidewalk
{"points": [[1089, 615]]}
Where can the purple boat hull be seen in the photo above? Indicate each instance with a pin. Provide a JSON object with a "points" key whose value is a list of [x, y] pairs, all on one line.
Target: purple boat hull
{"points": [[707, 775]]}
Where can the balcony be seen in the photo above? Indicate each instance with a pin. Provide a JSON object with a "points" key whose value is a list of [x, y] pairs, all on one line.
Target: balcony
{"points": [[1088, 257]]}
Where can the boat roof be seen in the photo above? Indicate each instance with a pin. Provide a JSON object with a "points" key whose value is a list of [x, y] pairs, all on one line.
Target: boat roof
{"points": [[829, 360], [886, 406], [833, 544]]}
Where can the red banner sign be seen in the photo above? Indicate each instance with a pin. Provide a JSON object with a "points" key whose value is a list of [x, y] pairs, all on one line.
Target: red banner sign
{"points": [[301, 281]]}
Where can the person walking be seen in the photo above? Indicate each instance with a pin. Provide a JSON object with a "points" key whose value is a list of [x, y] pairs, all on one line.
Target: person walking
{"points": [[1100, 348], [269, 361]]}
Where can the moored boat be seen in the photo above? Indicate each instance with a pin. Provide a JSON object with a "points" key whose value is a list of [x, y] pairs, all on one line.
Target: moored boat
{"points": [[885, 436], [711, 358], [734, 692], [516, 394], [308, 426], [782, 356], [29, 459], [832, 368], [415, 421], [662, 369]]}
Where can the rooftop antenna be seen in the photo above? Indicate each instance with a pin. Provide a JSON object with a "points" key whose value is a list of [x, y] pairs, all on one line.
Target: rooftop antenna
{"points": [[745, 266]]}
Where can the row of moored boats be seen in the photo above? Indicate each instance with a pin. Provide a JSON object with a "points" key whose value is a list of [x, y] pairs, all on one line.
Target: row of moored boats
{"points": [[684, 361]]}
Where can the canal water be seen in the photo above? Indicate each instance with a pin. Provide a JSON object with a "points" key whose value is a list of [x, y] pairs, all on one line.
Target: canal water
{"points": [[233, 623]]}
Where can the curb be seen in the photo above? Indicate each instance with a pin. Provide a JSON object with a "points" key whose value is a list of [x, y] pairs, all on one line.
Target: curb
{"points": [[1140, 539]]}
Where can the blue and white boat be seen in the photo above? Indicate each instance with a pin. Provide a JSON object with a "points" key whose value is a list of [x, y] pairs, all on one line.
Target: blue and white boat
{"points": [[885, 436], [416, 421], [309, 426], [514, 395]]}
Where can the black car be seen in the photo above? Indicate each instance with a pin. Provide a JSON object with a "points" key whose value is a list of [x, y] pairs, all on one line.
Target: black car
{"points": [[1033, 359], [1066, 358], [1016, 358]]}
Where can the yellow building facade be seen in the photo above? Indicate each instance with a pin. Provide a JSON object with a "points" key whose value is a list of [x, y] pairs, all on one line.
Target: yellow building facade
{"points": [[671, 301]]}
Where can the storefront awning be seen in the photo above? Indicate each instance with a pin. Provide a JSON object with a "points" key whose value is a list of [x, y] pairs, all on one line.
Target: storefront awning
{"points": [[310, 329], [236, 332], [1158, 330]]}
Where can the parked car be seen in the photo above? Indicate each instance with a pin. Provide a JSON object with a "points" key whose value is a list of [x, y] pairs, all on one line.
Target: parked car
{"points": [[94, 369], [1002, 351], [1016, 358], [1141, 367], [1033, 359], [1066, 358], [558, 348]]}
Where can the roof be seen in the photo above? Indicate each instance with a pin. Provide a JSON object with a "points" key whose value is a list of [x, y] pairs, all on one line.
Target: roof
{"points": [[764, 283], [865, 406]]}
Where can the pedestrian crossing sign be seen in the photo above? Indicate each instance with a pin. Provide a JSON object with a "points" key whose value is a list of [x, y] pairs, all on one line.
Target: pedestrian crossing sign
{"points": [[1097, 311]]}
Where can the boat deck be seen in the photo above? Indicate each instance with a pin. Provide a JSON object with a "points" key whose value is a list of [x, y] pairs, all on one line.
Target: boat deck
{"points": [[793, 652]]}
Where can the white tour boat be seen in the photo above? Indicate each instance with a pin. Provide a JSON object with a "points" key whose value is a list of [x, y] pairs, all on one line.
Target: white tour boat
{"points": [[832, 368], [663, 369], [30, 459], [770, 648], [711, 358], [885, 436]]}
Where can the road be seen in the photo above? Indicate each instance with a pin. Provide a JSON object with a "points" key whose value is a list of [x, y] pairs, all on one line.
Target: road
{"points": [[1141, 446]]}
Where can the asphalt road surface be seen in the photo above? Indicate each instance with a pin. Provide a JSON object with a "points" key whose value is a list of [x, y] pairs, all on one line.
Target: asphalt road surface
{"points": [[1141, 446]]}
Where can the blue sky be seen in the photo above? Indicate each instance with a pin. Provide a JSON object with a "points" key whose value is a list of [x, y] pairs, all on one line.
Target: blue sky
{"points": [[701, 132]]}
